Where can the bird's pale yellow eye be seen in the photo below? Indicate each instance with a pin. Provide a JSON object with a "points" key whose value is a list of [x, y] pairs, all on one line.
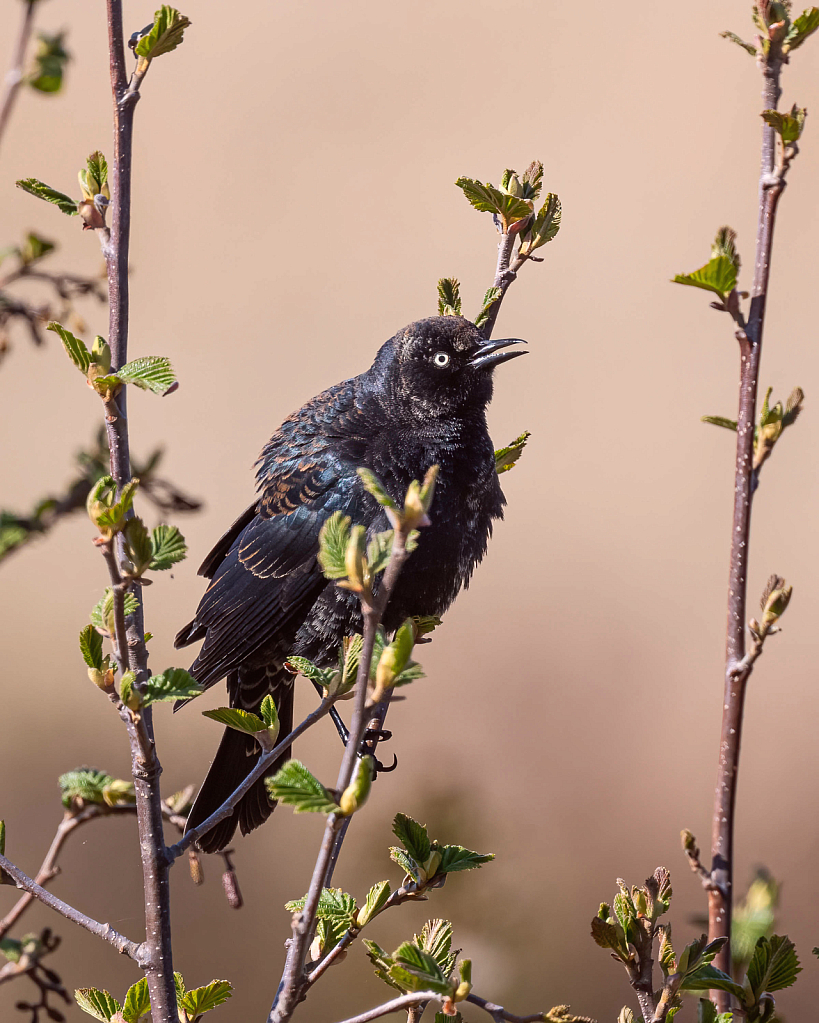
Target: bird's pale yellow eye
{"points": [[441, 359]]}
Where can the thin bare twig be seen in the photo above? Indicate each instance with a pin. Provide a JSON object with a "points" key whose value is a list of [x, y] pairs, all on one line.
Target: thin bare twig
{"points": [[499, 1014], [105, 931], [14, 77], [396, 1005], [771, 185]]}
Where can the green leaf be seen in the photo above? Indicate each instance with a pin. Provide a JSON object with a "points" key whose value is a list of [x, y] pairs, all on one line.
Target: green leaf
{"points": [[137, 1002], [270, 715], [788, 126], [413, 836], [62, 201], [233, 717], [84, 785], [376, 900], [416, 970], [724, 244], [436, 939], [379, 551], [294, 785], [168, 547], [449, 297], [708, 977], [544, 227], [607, 935], [76, 349], [802, 27], [304, 667], [50, 59], [94, 179], [455, 857], [91, 647], [506, 458], [333, 904], [102, 614], [407, 864], [33, 248], [532, 180], [486, 198], [734, 38], [773, 966], [172, 684], [381, 961], [333, 540], [489, 299], [719, 275], [96, 1003], [728, 424], [203, 999], [179, 984], [165, 34], [151, 373], [11, 949], [374, 486], [113, 516], [138, 543]]}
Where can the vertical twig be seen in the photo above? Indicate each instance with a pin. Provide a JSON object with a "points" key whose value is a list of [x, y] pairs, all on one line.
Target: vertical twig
{"points": [[145, 764], [293, 979], [771, 185], [14, 77]]}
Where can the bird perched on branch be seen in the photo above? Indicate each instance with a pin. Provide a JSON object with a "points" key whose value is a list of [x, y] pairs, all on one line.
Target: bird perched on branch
{"points": [[423, 401]]}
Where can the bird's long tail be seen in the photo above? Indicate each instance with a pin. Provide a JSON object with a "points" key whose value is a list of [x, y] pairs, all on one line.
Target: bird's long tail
{"points": [[235, 759]]}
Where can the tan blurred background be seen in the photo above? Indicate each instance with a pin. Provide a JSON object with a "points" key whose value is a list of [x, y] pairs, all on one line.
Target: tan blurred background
{"points": [[293, 207]]}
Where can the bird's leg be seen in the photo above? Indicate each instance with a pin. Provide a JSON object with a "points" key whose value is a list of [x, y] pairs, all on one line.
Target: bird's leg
{"points": [[373, 735], [335, 717]]}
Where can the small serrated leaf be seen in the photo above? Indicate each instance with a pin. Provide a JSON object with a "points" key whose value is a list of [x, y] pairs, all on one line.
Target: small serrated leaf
{"points": [[151, 373], [333, 540], [202, 999], [719, 275], [171, 684], [734, 38], [413, 835], [39, 189], [728, 424], [294, 785], [456, 857], [449, 297], [137, 1002], [376, 899], [506, 458], [75, 348], [83, 785], [91, 647], [234, 717], [99, 1004], [165, 34], [802, 26], [168, 547]]}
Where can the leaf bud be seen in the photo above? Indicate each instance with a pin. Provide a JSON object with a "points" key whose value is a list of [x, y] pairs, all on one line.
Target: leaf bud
{"points": [[92, 217], [776, 600], [394, 658], [463, 989], [640, 902], [101, 354], [356, 793], [355, 561], [433, 862]]}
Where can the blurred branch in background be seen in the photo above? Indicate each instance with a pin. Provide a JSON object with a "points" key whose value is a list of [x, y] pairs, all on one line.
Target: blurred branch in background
{"points": [[17, 530]]}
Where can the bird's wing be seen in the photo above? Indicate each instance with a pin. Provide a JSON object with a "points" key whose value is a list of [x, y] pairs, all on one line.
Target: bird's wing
{"points": [[265, 573]]}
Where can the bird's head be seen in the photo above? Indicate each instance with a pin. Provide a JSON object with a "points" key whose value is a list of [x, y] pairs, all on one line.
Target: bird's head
{"points": [[442, 365]]}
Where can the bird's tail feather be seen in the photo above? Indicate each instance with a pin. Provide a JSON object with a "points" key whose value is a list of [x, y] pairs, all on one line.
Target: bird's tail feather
{"points": [[235, 759]]}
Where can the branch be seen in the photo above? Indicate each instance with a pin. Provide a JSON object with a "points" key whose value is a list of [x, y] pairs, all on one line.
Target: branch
{"points": [[404, 1002], [506, 271], [292, 986], [104, 931], [771, 185], [260, 769], [499, 1014], [14, 78]]}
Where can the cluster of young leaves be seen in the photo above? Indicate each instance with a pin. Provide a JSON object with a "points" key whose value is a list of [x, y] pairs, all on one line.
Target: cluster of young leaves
{"points": [[719, 275], [265, 728], [87, 785], [162, 36], [426, 963], [49, 61], [93, 179], [149, 373], [423, 859], [630, 931], [773, 419], [777, 29], [449, 300], [192, 1005]]}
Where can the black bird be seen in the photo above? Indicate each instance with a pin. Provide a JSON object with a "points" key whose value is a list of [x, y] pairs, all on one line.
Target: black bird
{"points": [[423, 401]]}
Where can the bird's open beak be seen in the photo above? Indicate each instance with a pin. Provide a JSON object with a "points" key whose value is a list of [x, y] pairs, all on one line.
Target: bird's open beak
{"points": [[490, 353]]}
